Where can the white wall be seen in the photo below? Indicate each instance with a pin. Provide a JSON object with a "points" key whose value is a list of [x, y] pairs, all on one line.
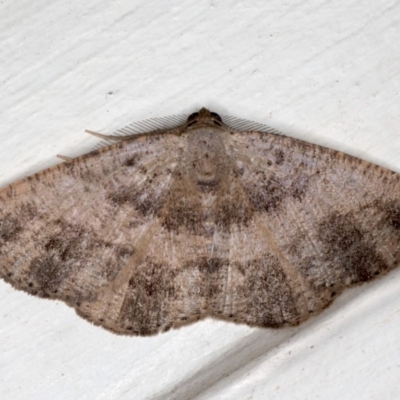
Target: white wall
{"points": [[323, 71]]}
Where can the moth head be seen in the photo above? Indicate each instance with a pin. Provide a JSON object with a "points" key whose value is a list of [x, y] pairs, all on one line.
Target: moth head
{"points": [[204, 117]]}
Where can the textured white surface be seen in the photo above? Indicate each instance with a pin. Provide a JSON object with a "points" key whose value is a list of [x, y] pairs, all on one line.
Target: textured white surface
{"points": [[323, 71]]}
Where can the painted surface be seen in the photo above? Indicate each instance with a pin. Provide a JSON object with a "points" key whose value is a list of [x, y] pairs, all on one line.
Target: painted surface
{"points": [[320, 71]]}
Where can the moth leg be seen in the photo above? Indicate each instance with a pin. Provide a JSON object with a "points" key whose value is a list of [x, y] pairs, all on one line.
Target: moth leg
{"points": [[65, 158], [109, 138]]}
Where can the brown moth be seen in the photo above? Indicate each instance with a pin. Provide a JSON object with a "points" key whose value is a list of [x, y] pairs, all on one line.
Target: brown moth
{"points": [[162, 228]]}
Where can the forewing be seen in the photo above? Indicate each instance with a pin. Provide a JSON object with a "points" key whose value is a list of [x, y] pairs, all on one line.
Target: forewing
{"points": [[88, 232], [328, 220]]}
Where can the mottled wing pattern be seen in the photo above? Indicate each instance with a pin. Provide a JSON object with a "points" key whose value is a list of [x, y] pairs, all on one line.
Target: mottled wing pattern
{"points": [[88, 232], [162, 229], [327, 221]]}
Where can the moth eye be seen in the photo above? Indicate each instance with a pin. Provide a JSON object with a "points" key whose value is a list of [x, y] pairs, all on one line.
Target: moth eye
{"points": [[192, 117], [216, 116]]}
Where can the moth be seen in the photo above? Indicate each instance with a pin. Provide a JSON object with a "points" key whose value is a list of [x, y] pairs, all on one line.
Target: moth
{"points": [[205, 218]]}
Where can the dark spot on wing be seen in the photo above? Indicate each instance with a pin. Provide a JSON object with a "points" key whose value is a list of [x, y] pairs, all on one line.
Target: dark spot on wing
{"points": [[145, 305], [150, 281], [10, 228], [230, 213], [207, 266], [146, 203], [392, 214], [279, 157], [66, 254], [12, 225], [48, 274], [65, 247], [28, 211], [267, 192], [63, 253], [267, 293], [183, 214], [346, 252], [131, 161]]}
